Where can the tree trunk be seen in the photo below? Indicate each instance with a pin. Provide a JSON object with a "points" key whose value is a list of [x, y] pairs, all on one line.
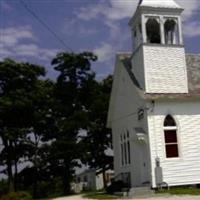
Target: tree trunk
{"points": [[66, 179], [16, 178], [7, 146], [104, 178], [36, 167], [9, 168], [35, 183], [16, 171]]}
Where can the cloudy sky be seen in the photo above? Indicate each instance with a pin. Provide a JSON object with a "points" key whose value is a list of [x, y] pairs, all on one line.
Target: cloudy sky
{"points": [[100, 26]]}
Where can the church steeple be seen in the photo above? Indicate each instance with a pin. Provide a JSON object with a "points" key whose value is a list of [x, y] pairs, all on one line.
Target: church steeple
{"points": [[159, 3], [158, 59], [157, 21]]}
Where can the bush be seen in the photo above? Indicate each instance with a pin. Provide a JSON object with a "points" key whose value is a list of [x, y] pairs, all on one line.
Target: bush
{"points": [[17, 196], [116, 186], [3, 187]]}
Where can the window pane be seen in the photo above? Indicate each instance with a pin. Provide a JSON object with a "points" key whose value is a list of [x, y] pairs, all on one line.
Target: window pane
{"points": [[170, 136], [172, 150], [129, 153], [169, 121], [122, 153], [125, 153]]}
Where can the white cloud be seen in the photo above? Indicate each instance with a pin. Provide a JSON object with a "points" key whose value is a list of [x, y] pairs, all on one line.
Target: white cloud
{"points": [[11, 36], [191, 29], [116, 11], [20, 42], [90, 12], [72, 26], [190, 6], [104, 52], [120, 9], [27, 50]]}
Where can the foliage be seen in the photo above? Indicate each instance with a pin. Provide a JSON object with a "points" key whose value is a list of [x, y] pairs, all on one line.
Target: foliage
{"points": [[41, 121], [98, 138], [3, 187], [115, 186], [69, 111], [17, 89], [17, 196]]}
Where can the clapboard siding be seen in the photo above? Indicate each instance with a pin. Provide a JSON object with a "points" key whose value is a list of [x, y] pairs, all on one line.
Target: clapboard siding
{"points": [[137, 66], [185, 169], [165, 69], [126, 105]]}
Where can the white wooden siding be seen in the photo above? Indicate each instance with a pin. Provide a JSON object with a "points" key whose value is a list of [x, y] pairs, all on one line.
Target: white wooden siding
{"points": [[185, 169], [165, 69], [124, 118], [138, 66]]}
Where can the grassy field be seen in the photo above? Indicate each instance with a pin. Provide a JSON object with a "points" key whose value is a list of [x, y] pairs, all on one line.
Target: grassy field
{"points": [[181, 191], [100, 195]]}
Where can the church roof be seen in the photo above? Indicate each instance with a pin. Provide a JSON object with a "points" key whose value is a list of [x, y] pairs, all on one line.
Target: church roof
{"points": [[159, 4], [193, 73]]}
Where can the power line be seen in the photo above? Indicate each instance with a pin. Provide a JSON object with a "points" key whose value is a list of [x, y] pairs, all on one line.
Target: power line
{"points": [[44, 24]]}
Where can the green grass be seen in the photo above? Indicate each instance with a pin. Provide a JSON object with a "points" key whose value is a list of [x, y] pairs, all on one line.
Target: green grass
{"points": [[181, 191], [99, 195]]}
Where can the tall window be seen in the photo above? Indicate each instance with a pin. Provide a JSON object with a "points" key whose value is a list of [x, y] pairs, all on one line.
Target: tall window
{"points": [[171, 32], [153, 31], [171, 141], [125, 149], [122, 150]]}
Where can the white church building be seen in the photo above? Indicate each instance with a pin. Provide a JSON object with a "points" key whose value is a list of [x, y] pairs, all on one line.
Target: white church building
{"points": [[154, 110]]}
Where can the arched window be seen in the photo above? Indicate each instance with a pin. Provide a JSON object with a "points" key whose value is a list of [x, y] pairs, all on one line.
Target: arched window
{"points": [[171, 140], [153, 31], [171, 32]]}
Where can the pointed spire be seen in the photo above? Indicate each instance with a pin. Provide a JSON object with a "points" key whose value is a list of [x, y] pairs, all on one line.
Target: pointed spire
{"points": [[159, 4]]}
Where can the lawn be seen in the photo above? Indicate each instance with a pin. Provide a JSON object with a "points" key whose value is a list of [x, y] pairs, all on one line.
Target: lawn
{"points": [[100, 195], [181, 191]]}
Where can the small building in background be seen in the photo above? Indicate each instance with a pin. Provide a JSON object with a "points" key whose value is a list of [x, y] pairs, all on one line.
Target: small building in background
{"points": [[91, 179]]}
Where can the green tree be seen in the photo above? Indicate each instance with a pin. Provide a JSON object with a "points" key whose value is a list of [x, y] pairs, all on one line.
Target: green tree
{"points": [[98, 139], [70, 110], [42, 128], [17, 88]]}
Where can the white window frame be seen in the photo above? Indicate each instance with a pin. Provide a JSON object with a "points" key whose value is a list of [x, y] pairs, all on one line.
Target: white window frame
{"points": [[166, 128]]}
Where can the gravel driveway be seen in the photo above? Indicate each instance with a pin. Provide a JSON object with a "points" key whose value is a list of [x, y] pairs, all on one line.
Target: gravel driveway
{"points": [[165, 197]]}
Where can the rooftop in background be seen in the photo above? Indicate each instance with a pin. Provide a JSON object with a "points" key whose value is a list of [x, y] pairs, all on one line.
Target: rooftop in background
{"points": [[159, 3]]}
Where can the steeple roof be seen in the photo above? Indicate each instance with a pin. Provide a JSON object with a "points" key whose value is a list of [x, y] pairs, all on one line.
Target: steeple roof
{"points": [[159, 4]]}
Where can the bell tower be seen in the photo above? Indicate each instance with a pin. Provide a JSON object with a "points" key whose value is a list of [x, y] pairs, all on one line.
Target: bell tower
{"points": [[158, 59]]}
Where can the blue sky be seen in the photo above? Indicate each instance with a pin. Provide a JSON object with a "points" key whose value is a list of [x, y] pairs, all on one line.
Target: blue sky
{"points": [[100, 26]]}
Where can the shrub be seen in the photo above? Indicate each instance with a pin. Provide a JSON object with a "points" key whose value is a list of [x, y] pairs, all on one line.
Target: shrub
{"points": [[17, 196], [116, 186], [3, 187]]}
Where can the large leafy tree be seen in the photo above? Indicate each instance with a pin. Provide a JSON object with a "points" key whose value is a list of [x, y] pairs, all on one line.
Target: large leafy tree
{"points": [[42, 128], [18, 83], [70, 109], [41, 121], [97, 143]]}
